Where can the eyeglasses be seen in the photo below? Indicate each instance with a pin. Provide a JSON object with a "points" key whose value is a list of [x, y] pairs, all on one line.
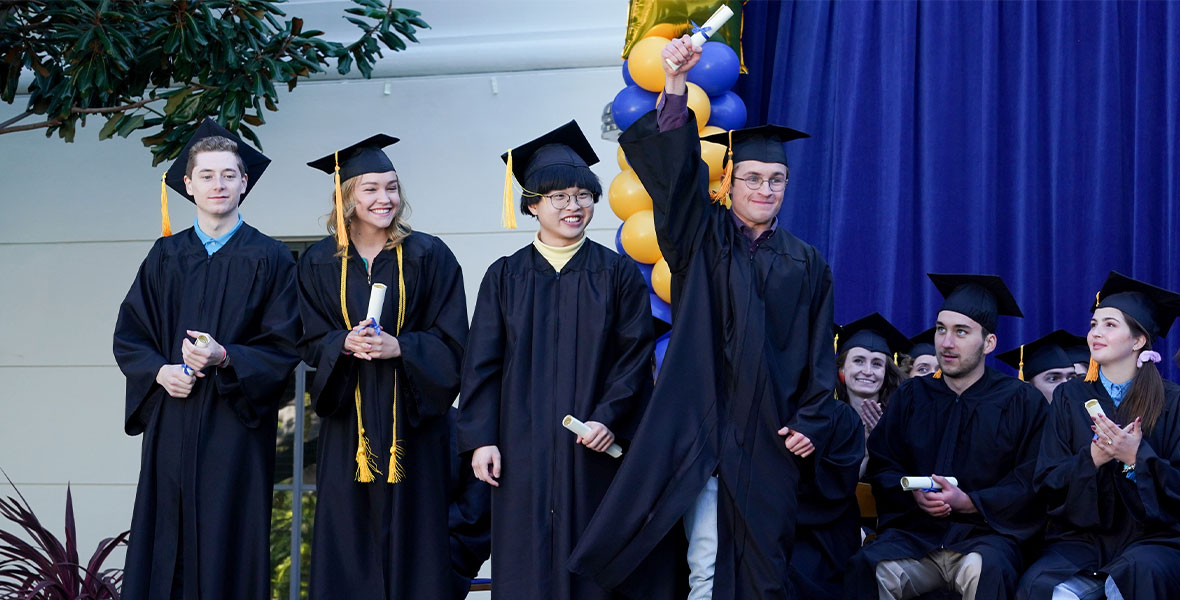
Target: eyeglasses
{"points": [[561, 200], [754, 182]]}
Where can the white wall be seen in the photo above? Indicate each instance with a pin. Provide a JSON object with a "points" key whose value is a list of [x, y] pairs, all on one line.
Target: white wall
{"points": [[78, 218]]}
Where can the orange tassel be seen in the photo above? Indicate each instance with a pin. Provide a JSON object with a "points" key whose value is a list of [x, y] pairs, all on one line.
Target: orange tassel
{"points": [[1020, 369], [165, 221], [722, 193], [938, 374], [1092, 372]]}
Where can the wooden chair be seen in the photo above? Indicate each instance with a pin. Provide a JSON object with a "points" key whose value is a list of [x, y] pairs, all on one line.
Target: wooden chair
{"points": [[868, 507]]}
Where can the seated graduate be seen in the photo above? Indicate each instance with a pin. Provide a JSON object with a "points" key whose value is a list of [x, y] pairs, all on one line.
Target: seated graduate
{"points": [[922, 358], [381, 383], [969, 422], [1112, 482], [201, 523], [866, 375], [1043, 362], [562, 327]]}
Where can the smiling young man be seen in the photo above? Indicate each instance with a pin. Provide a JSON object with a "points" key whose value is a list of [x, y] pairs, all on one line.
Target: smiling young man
{"points": [[747, 370], [967, 421], [200, 528], [562, 326]]}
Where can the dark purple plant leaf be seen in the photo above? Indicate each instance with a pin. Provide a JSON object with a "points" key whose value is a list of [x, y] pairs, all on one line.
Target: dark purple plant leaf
{"points": [[69, 578]]}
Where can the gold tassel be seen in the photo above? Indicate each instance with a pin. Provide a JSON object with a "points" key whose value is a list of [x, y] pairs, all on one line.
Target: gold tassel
{"points": [[341, 232], [722, 193], [895, 358], [1020, 369], [1092, 372], [508, 215], [165, 221], [365, 464], [836, 344], [938, 374], [397, 470]]}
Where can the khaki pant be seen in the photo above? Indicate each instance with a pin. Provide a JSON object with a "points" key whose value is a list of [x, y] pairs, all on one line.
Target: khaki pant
{"points": [[941, 569]]}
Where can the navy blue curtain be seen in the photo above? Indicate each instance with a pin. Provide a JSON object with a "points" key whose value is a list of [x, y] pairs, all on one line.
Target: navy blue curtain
{"points": [[1039, 141]]}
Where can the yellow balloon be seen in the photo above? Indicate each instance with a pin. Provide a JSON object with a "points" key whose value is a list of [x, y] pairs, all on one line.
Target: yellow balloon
{"points": [[622, 159], [627, 196], [698, 102], [665, 30], [713, 154], [645, 63], [639, 237], [661, 280], [711, 130]]}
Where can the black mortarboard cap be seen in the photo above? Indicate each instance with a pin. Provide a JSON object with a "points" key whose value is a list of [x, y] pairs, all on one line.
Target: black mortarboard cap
{"points": [[1079, 353], [1154, 307], [763, 143], [980, 297], [566, 145], [1042, 354], [873, 333], [253, 160], [365, 156], [923, 344]]}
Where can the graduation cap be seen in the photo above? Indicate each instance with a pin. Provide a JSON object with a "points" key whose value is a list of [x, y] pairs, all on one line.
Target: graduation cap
{"points": [[1078, 354], [923, 344], [254, 161], [1154, 307], [763, 143], [566, 145], [873, 333], [980, 297], [365, 156], [1042, 354]]}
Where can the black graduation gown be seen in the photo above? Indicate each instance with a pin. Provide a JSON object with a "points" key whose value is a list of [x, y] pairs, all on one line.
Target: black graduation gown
{"points": [[828, 529], [469, 518], [987, 438], [379, 540], [1100, 521], [750, 352], [543, 345], [202, 508]]}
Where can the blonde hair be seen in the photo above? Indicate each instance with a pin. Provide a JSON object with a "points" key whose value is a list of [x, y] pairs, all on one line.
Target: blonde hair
{"points": [[397, 231]]}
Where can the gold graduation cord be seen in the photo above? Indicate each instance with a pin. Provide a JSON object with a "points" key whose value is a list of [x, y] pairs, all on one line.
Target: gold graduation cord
{"points": [[366, 465]]}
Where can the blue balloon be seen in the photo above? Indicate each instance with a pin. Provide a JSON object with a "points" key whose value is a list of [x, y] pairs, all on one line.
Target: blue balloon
{"points": [[718, 69], [661, 349], [660, 309], [727, 111], [619, 242], [631, 103], [645, 270], [627, 75]]}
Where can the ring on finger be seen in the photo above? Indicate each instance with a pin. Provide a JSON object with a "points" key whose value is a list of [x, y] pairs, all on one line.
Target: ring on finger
{"points": [[1109, 442]]}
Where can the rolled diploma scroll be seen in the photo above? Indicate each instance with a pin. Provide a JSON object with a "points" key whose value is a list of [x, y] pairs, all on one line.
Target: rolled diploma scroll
{"points": [[714, 23], [202, 341], [580, 428], [1094, 408], [376, 302], [910, 484]]}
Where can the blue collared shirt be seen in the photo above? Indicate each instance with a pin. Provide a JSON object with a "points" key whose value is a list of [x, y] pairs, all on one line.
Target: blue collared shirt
{"points": [[213, 244], [1116, 390]]}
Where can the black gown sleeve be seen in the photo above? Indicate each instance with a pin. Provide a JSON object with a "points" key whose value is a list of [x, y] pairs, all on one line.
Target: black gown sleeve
{"points": [[837, 468], [1157, 470], [888, 455], [478, 422], [1066, 477], [322, 342], [431, 357], [1010, 506], [136, 344], [629, 379], [821, 369], [259, 365], [670, 167]]}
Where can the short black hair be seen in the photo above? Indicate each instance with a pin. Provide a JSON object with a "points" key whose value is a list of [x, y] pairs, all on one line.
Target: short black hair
{"points": [[558, 177]]}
